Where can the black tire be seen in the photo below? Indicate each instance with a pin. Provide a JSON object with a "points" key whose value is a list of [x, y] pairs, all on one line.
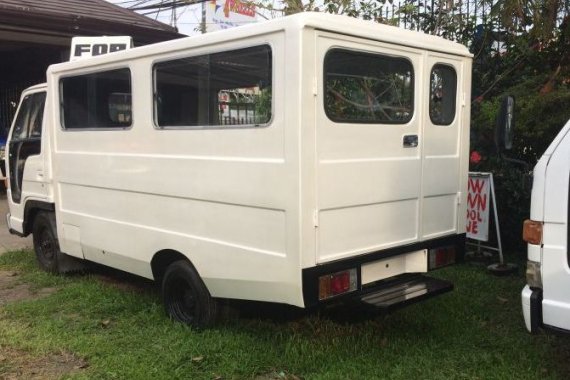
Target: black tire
{"points": [[186, 298], [46, 244]]}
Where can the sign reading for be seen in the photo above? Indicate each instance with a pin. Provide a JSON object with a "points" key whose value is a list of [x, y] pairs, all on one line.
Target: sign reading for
{"points": [[83, 47], [478, 204]]}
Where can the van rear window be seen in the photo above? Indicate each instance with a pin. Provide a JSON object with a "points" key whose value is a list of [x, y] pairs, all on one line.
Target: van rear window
{"points": [[443, 91], [368, 88], [99, 100], [226, 89]]}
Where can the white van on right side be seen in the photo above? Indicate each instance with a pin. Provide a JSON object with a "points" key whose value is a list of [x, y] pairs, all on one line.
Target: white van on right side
{"points": [[546, 297]]}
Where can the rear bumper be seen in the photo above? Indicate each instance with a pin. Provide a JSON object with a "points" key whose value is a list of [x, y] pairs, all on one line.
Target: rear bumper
{"points": [[532, 311], [532, 308], [311, 275]]}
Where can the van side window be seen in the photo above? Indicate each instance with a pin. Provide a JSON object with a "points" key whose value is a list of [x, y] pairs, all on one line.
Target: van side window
{"points": [[28, 123], [232, 88], [97, 101], [368, 88], [443, 90]]}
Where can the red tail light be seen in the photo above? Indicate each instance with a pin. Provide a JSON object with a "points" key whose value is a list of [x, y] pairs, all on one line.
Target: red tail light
{"points": [[440, 257], [331, 285]]}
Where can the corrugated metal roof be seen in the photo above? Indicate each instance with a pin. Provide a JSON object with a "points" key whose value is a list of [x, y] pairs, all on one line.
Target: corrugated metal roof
{"points": [[92, 9]]}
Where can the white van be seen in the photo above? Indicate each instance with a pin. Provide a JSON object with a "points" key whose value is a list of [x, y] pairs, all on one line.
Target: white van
{"points": [[304, 160], [546, 298]]}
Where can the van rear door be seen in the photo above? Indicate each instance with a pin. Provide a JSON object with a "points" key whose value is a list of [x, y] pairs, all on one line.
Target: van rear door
{"points": [[369, 149], [442, 182]]}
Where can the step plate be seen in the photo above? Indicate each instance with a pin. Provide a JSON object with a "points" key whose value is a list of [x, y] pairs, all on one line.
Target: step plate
{"points": [[403, 293]]}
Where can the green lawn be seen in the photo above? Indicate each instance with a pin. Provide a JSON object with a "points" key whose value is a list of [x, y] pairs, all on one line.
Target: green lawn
{"points": [[475, 332]]}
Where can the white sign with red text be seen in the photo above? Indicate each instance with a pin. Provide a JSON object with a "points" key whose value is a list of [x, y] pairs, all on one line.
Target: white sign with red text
{"points": [[478, 205]]}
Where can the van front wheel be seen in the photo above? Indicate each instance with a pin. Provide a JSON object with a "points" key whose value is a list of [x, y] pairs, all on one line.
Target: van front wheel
{"points": [[46, 244], [186, 298]]}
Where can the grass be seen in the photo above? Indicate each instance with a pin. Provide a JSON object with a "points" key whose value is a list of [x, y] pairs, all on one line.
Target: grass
{"points": [[475, 332]]}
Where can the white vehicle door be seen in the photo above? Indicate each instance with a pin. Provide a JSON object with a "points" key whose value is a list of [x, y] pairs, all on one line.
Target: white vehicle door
{"points": [[24, 155], [368, 146], [441, 180], [555, 258]]}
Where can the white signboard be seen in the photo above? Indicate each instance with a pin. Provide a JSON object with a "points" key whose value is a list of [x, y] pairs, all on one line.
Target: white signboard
{"points": [[225, 14], [478, 205], [84, 47]]}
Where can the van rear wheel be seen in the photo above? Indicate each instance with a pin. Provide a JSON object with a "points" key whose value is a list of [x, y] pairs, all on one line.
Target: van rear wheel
{"points": [[45, 240], [186, 298]]}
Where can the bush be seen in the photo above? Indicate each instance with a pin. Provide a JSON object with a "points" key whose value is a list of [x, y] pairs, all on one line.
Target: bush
{"points": [[538, 118]]}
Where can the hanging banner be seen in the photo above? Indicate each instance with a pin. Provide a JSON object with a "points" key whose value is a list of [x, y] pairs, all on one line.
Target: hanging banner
{"points": [[478, 204], [225, 14]]}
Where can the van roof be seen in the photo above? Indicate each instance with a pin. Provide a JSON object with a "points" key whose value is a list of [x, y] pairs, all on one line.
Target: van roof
{"points": [[379, 32], [39, 86], [322, 21]]}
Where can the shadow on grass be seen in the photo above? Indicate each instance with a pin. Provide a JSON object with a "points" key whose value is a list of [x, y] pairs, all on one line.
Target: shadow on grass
{"points": [[122, 280], [341, 313]]}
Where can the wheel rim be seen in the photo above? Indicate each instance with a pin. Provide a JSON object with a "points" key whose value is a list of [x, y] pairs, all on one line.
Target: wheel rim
{"points": [[182, 300]]}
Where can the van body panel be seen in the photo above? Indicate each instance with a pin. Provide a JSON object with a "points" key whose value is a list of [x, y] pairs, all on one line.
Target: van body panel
{"points": [[555, 266], [260, 209], [368, 183], [538, 183], [374, 192], [443, 147], [222, 197], [550, 206]]}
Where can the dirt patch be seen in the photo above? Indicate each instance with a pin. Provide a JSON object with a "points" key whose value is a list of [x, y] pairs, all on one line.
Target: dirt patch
{"points": [[13, 289], [274, 375], [18, 364]]}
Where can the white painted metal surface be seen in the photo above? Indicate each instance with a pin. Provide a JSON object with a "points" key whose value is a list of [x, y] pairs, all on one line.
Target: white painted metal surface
{"points": [[413, 262], [251, 207], [555, 269], [550, 206], [36, 180]]}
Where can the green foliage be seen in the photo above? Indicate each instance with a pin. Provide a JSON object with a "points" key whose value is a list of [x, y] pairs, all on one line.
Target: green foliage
{"points": [[538, 118], [263, 105], [531, 63]]}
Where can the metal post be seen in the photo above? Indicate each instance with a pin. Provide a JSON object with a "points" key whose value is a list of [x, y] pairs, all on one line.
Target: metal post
{"points": [[501, 268], [494, 202]]}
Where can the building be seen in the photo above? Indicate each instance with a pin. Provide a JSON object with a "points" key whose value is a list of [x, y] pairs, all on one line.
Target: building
{"points": [[37, 33]]}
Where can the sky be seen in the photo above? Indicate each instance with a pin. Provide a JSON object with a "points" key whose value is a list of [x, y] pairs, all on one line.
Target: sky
{"points": [[186, 18]]}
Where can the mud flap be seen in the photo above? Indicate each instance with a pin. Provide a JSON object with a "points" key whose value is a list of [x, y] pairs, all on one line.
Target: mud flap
{"points": [[70, 264]]}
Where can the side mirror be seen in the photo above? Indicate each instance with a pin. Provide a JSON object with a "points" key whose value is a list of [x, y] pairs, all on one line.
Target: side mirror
{"points": [[504, 129]]}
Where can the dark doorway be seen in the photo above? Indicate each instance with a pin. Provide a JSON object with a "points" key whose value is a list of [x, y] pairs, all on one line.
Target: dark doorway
{"points": [[22, 64]]}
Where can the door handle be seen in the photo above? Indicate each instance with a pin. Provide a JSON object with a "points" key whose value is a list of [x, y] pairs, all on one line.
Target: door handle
{"points": [[410, 141]]}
